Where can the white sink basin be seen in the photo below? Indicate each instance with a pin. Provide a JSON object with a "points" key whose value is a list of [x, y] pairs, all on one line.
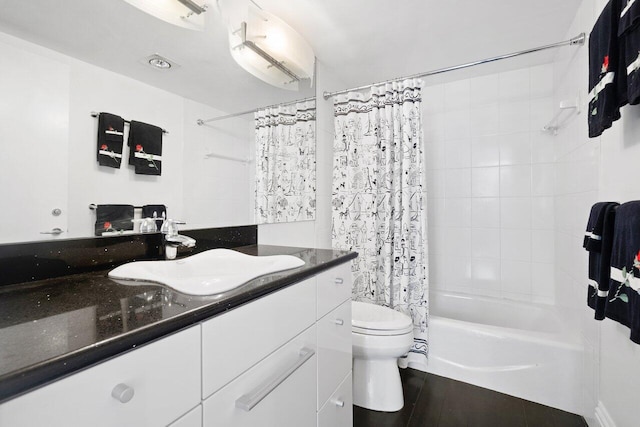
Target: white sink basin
{"points": [[206, 273]]}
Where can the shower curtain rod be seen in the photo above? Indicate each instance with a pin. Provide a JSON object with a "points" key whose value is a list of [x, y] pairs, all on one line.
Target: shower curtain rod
{"points": [[578, 40], [242, 113]]}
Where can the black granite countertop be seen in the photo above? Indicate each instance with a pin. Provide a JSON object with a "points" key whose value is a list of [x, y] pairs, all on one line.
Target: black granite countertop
{"points": [[52, 328]]}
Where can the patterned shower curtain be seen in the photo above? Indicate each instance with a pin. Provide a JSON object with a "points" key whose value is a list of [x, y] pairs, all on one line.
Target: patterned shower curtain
{"points": [[377, 201], [285, 163]]}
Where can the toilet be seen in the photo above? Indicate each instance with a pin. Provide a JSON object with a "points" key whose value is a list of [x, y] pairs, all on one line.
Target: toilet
{"points": [[380, 335]]}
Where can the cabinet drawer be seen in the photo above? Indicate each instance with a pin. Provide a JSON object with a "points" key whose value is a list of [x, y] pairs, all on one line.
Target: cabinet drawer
{"points": [[192, 418], [289, 402], [338, 411], [164, 377], [334, 287], [237, 340], [334, 350]]}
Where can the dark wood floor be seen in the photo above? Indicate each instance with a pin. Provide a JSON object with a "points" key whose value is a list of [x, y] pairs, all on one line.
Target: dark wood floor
{"points": [[433, 401]]}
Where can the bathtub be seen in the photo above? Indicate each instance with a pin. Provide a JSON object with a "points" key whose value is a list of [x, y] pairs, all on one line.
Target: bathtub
{"points": [[520, 349]]}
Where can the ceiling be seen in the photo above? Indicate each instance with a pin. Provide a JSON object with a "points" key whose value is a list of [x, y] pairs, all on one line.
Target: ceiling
{"points": [[358, 41]]}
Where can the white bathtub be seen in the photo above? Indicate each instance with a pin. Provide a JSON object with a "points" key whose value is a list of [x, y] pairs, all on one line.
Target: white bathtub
{"points": [[520, 349]]}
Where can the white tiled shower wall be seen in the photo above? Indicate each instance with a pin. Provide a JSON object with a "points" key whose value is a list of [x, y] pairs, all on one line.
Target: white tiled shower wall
{"points": [[587, 171], [218, 191], [490, 184]]}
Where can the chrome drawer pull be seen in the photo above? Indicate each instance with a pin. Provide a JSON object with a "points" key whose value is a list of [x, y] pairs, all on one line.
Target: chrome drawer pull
{"points": [[54, 231], [247, 401], [339, 322], [122, 393], [339, 281]]}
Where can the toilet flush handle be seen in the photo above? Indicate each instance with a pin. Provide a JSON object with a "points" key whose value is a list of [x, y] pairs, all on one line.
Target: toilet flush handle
{"points": [[339, 281], [339, 322]]}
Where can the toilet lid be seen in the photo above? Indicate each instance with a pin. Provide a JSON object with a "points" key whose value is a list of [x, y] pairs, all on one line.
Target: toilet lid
{"points": [[374, 319]]}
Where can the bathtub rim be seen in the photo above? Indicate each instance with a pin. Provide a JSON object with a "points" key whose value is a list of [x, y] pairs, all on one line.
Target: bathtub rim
{"points": [[563, 334], [561, 338]]}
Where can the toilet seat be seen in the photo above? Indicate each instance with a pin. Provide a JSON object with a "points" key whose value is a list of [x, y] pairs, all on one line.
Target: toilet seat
{"points": [[371, 319]]}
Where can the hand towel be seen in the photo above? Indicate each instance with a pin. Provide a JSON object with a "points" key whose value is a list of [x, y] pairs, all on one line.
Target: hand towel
{"points": [[606, 87], [629, 37], [110, 139], [623, 303], [598, 241], [145, 148], [111, 218], [155, 211]]}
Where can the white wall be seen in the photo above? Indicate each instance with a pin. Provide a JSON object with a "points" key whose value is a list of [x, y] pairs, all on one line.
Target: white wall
{"points": [[49, 144], [490, 184], [34, 101], [591, 170]]}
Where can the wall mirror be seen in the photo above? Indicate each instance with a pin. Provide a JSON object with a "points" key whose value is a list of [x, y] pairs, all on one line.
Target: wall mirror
{"points": [[61, 62]]}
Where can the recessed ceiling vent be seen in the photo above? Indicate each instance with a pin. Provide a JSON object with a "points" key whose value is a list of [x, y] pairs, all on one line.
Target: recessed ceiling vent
{"points": [[159, 62]]}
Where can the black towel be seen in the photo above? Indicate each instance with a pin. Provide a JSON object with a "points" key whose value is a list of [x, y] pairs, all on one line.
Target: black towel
{"points": [[145, 148], [110, 139], [155, 211], [623, 303], [598, 241], [629, 35], [607, 90], [113, 218]]}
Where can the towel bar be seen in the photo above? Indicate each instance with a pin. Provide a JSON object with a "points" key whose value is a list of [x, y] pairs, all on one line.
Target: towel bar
{"points": [[220, 156], [94, 206], [555, 124], [95, 114]]}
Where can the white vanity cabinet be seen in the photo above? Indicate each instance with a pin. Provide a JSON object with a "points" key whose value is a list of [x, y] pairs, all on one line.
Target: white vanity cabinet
{"points": [[338, 411], [151, 386], [334, 346], [281, 360], [192, 418], [280, 391], [334, 350], [333, 288], [235, 341], [259, 364]]}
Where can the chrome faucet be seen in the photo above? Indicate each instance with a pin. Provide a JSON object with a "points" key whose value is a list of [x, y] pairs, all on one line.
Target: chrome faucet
{"points": [[172, 239]]}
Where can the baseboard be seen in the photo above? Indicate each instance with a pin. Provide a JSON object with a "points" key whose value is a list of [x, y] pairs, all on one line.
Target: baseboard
{"points": [[602, 416]]}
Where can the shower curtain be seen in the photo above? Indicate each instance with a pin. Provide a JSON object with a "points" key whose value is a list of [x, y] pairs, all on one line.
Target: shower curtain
{"points": [[377, 201], [285, 163]]}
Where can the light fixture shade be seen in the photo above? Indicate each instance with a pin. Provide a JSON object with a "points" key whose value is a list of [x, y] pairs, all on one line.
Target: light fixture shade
{"points": [[171, 11], [267, 47]]}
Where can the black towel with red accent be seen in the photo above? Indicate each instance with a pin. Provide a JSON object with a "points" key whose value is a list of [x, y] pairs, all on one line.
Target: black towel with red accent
{"points": [[598, 241], [110, 140], [113, 218], [623, 304], [607, 85], [145, 148], [629, 36]]}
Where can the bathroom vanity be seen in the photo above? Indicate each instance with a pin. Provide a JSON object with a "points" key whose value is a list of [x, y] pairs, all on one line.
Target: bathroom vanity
{"points": [[273, 352]]}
